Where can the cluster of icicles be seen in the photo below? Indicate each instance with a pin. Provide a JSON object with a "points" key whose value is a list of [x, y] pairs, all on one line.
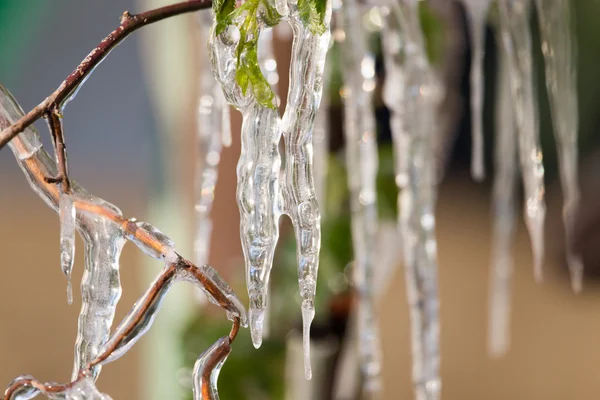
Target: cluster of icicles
{"points": [[412, 91], [105, 231], [266, 189]]}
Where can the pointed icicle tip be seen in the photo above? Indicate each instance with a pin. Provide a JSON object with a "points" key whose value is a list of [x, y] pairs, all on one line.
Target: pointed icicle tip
{"points": [[257, 318], [69, 291], [308, 314]]}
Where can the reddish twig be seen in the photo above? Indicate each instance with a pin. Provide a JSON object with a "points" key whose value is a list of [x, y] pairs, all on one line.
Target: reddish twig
{"points": [[58, 139], [69, 87]]}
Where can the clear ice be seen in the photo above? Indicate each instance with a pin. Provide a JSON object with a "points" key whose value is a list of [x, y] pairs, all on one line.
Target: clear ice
{"points": [[214, 132], [362, 164], [67, 239], [212, 359], [260, 194], [558, 48], [476, 11], [152, 241], [300, 202], [504, 201], [418, 197], [103, 240], [516, 38], [258, 188], [83, 389]]}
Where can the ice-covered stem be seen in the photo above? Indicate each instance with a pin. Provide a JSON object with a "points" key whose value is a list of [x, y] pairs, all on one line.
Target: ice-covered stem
{"points": [[559, 51], [503, 214], [362, 164], [132, 328], [104, 230], [421, 97], [207, 369], [69, 87], [516, 39]]}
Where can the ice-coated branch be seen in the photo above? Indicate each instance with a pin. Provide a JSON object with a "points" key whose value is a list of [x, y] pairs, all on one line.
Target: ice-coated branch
{"points": [[105, 231], [70, 86]]}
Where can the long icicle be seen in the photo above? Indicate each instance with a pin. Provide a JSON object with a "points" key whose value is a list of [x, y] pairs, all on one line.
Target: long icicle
{"points": [[558, 48], [307, 65], [504, 201], [258, 190], [516, 38], [214, 132], [476, 11], [362, 164], [418, 207]]}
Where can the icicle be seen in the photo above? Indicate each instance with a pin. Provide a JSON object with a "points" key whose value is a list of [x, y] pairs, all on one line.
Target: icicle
{"points": [[212, 359], [393, 94], [103, 240], [321, 140], [214, 132], [476, 11], [67, 239], [422, 94], [558, 48], [258, 192], [300, 203], [504, 200], [362, 163], [516, 37]]}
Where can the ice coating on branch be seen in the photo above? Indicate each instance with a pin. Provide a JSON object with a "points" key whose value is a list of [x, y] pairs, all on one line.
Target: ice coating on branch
{"points": [[362, 164], [300, 202], [258, 190], [161, 246], [516, 38], [417, 219], [238, 309], [83, 389], [103, 240], [393, 92], [558, 48], [213, 358], [476, 11], [67, 239], [213, 131], [504, 201]]}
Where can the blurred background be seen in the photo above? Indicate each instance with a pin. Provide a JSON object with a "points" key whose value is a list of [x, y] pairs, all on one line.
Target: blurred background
{"points": [[130, 135]]}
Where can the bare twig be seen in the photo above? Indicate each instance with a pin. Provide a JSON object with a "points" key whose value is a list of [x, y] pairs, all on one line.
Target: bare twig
{"points": [[58, 139], [69, 87]]}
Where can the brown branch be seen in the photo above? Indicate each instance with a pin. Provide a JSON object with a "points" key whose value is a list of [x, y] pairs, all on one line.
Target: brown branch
{"points": [[69, 87], [58, 139]]}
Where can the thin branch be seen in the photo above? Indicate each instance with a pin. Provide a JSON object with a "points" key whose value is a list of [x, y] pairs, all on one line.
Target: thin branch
{"points": [[69, 87], [58, 139]]}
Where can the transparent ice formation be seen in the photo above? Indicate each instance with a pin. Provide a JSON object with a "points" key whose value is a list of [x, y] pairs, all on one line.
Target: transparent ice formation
{"points": [[161, 246], [558, 48], [213, 358], [504, 202], [516, 38], [214, 132], [476, 11], [418, 197], [260, 194], [362, 164], [83, 389], [67, 239], [258, 189], [103, 240]]}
